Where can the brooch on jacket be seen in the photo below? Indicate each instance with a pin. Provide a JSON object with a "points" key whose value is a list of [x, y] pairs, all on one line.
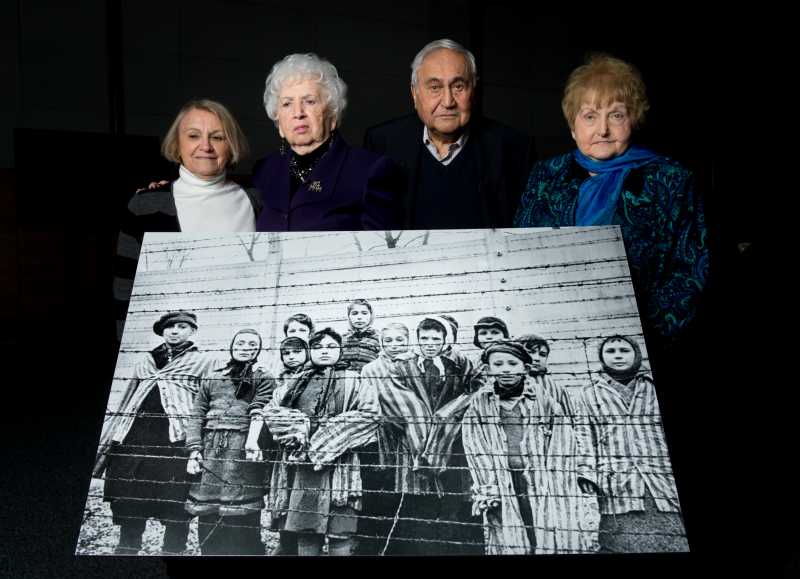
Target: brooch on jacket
{"points": [[315, 186]]}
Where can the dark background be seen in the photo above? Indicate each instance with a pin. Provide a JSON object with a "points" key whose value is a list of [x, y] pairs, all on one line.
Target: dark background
{"points": [[90, 87]]}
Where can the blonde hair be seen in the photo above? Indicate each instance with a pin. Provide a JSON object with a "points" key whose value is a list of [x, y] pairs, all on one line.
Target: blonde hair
{"points": [[170, 146], [610, 79]]}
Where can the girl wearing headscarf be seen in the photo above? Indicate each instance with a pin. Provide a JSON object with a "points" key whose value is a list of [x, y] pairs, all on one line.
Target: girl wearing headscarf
{"points": [[324, 417], [230, 494], [295, 359], [361, 343], [628, 464], [521, 455]]}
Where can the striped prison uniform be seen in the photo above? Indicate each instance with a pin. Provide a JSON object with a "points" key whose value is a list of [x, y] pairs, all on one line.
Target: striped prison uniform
{"points": [[563, 520], [435, 516], [627, 451], [360, 347], [177, 382], [333, 444]]}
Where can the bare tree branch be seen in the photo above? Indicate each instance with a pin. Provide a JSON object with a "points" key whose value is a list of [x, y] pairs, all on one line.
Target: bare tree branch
{"points": [[358, 242], [251, 248]]}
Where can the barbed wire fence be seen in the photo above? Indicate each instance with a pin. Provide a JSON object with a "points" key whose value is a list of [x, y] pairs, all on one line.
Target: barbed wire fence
{"points": [[571, 286]]}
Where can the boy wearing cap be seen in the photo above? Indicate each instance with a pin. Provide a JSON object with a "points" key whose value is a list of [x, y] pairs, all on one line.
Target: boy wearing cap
{"points": [[142, 446], [522, 458]]}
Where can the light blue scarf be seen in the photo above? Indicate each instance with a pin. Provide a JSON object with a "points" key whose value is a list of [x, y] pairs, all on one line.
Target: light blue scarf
{"points": [[598, 196]]}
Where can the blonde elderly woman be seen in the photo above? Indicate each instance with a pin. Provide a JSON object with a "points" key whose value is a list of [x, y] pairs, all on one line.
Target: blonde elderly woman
{"points": [[204, 140], [608, 180], [317, 181]]}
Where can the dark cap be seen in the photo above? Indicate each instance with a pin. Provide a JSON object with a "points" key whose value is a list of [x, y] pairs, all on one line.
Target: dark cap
{"points": [[173, 318], [514, 348]]}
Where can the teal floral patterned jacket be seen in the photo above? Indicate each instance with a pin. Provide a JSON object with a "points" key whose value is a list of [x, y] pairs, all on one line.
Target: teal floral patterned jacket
{"points": [[662, 223]]}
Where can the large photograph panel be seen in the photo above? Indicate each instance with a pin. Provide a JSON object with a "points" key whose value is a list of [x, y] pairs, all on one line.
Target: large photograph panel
{"points": [[405, 392]]}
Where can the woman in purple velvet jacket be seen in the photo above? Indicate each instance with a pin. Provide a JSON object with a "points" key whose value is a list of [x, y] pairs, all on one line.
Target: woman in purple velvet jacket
{"points": [[317, 181]]}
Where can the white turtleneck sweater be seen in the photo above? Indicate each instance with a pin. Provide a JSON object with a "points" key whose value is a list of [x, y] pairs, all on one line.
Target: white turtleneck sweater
{"points": [[216, 205]]}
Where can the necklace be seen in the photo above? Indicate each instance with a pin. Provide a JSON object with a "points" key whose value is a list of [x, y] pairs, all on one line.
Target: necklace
{"points": [[301, 166]]}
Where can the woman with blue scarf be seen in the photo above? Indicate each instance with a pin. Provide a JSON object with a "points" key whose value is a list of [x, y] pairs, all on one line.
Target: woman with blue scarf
{"points": [[609, 181]]}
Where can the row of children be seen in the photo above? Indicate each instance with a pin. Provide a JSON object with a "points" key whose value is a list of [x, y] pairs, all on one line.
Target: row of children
{"points": [[374, 448]]}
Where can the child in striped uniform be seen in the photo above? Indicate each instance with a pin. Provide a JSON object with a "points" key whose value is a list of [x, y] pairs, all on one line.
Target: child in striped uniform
{"points": [[361, 343], [295, 358], [321, 497], [142, 447], [628, 464], [521, 455]]}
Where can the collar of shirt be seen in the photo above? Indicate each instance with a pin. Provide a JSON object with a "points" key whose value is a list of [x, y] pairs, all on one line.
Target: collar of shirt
{"points": [[453, 150], [437, 361]]}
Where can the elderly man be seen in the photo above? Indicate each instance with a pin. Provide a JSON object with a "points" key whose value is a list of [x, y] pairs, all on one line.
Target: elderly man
{"points": [[462, 171]]}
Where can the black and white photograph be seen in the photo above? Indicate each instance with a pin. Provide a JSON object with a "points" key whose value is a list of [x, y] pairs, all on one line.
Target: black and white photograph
{"points": [[417, 392]]}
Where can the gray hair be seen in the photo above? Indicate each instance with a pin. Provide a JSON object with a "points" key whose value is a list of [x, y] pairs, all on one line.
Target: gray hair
{"points": [[306, 66], [472, 68]]}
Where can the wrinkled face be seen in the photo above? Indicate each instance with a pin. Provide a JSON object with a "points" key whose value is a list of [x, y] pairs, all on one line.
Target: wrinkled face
{"points": [[177, 333], [443, 93], [506, 368], [394, 342], [204, 148], [326, 352], [303, 116], [539, 356], [619, 355], [488, 335], [246, 346], [602, 132], [360, 316], [293, 357], [431, 342], [295, 328]]}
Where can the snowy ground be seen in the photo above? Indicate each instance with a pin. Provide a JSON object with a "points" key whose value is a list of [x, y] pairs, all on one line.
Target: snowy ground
{"points": [[99, 535]]}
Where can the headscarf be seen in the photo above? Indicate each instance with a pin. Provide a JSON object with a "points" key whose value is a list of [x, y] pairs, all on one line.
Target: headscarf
{"points": [[599, 195], [360, 302], [241, 372], [307, 374], [622, 376]]}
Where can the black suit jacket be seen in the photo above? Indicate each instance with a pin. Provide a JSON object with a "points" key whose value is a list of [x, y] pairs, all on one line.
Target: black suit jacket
{"points": [[505, 154]]}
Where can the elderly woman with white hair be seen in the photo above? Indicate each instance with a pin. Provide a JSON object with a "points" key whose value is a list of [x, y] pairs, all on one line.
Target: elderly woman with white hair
{"points": [[317, 181]]}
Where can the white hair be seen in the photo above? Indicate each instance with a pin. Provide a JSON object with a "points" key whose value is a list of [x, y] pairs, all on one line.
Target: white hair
{"points": [[303, 67], [472, 68]]}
